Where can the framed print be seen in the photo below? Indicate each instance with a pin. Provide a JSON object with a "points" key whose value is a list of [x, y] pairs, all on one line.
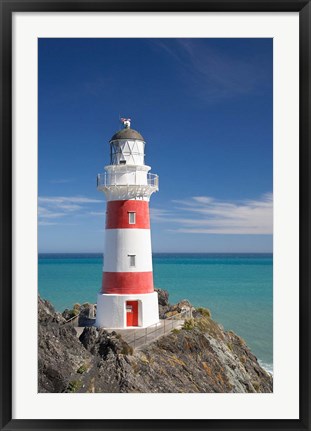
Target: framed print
{"points": [[155, 215]]}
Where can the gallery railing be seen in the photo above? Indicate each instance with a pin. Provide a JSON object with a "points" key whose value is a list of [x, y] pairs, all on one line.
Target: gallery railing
{"points": [[113, 179]]}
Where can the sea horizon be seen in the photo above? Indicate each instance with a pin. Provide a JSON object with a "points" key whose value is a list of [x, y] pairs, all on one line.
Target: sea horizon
{"points": [[161, 252]]}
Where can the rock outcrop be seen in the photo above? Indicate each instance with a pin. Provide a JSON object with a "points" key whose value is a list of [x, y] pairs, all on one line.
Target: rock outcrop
{"points": [[60, 353], [200, 357]]}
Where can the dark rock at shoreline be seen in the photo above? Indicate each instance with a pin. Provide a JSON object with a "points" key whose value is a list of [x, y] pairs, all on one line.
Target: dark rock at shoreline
{"points": [[84, 313], [163, 302], [162, 297], [201, 357]]}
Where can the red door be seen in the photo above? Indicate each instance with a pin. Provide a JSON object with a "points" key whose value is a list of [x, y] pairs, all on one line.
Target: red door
{"points": [[131, 313]]}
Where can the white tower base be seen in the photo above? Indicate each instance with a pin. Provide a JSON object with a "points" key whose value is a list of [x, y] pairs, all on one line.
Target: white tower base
{"points": [[111, 310]]}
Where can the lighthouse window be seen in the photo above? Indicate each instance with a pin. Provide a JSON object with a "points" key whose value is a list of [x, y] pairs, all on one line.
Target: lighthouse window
{"points": [[132, 258], [132, 217]]}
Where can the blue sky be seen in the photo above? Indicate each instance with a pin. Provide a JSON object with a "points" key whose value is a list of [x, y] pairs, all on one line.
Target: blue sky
{"points": [[204, 107]]}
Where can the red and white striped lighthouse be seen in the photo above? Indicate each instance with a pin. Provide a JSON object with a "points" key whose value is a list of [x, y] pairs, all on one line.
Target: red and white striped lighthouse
{"points": [[127, 296]]}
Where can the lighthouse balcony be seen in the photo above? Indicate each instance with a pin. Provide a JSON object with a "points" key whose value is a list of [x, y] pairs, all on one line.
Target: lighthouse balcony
{"points": [[128, 186]]}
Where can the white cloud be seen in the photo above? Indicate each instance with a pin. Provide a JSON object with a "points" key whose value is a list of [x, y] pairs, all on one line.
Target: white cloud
{"points": [[159, 214], [97, 213], [46, 223], [206, 215], [57, 207], [49, 213]]}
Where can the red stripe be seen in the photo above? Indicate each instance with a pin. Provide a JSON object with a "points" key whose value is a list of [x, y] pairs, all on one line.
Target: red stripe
{"points": [[118, 214], [127, 282]]}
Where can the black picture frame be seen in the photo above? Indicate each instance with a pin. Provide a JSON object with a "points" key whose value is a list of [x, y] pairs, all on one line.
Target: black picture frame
{"points": [[8, 7]]}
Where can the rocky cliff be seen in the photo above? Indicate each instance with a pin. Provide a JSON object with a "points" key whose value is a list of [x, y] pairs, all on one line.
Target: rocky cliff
{"points": [[199, 357]]}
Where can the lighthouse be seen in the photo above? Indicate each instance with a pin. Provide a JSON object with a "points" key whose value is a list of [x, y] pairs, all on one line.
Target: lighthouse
{"points": [[127, 298]]}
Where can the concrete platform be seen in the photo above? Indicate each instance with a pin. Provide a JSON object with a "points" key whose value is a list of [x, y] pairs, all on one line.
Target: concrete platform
{"points": [[139, 337]]}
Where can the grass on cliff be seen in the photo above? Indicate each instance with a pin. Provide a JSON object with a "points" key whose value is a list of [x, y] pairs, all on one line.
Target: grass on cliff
{"points": [[74, 386], [204, 324], [82, 369], [127, 349], [205, 312], [189, 324]]}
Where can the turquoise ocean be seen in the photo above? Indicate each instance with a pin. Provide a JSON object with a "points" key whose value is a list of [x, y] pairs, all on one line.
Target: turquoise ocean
{"points": [[237, 288]]}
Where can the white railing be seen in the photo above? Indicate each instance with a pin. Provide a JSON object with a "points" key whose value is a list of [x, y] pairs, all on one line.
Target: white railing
{"points": [[113, 179]]}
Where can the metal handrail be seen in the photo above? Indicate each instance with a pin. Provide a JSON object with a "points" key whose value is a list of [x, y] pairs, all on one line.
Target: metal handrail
{"points": [[105, 179], [72, 319], [169, 324]]}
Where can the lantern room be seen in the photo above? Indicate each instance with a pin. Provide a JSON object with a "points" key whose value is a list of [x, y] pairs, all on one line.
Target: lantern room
{"points": [[127, 147]]}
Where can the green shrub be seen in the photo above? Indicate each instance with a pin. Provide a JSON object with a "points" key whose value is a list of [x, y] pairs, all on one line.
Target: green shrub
{"points": [[74, 386], [74, 312], [205, 312], [241, 341], [127, 350], [175, 331], [82, 369], [189, 324], [256, 386]]}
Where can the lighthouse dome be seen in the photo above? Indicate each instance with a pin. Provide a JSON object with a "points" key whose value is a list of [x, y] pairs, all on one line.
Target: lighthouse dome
{"points": [[127, 133], [127, 146]]}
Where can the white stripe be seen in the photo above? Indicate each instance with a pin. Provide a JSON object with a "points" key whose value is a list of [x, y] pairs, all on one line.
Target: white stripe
{"points": [[120, 243]]}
